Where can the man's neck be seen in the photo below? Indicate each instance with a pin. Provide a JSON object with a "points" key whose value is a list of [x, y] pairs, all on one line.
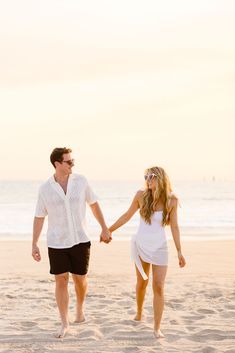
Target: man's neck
{"points": [[61, 178]]}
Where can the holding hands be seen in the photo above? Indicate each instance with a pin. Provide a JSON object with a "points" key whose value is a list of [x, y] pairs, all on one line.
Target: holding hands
{"points": [[105, 236]]}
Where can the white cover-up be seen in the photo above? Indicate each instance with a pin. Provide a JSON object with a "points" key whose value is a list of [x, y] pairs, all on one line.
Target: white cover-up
{"points": [[150, 243]]}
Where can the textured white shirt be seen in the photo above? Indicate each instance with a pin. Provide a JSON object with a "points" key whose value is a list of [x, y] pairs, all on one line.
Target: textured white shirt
{"points": [[66, 212]]}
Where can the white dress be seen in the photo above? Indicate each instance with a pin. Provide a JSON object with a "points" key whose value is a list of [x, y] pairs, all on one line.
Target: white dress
{"points": [[150, 243]]}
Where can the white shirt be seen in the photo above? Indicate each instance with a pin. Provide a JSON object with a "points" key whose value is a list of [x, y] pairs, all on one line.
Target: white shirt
{"points": [[66, 212]]}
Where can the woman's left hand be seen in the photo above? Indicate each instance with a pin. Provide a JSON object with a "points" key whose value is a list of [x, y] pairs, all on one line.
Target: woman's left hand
{"points": [[182, 261]]}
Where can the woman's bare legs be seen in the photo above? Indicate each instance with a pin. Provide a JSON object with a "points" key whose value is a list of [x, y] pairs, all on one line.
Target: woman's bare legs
{"points": [[159, 275], [141, 286]]}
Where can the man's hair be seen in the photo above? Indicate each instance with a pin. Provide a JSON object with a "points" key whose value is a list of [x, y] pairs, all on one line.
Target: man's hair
{"points": [[57, 154]]}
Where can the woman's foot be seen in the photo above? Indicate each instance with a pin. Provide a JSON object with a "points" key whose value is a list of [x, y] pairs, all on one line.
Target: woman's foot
{"points": [[138, 316], [62, 331], [79, 318], [158, 334]]}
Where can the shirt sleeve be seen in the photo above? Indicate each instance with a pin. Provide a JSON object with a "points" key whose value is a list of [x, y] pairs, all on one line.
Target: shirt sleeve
{"points": [[90, 195], [41, 210]]}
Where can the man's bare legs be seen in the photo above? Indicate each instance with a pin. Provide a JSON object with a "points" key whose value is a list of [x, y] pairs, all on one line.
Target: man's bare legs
{"points": [[159, 275], [62, 300], [141, 286], [80, 284]]}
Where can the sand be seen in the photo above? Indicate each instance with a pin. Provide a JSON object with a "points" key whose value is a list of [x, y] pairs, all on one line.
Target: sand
{"points": [[199, 311]]}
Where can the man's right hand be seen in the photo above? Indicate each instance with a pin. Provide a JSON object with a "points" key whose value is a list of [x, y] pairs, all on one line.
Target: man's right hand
{"points": [[105, 236], [36, 253]]}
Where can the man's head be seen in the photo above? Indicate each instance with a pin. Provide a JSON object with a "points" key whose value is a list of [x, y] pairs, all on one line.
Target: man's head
{"points": [[61, 159]]}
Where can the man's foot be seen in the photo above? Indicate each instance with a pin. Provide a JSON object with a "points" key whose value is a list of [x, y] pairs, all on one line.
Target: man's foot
{"points": [[138, 317], [80, 318], [158, 334], [62, 331]]}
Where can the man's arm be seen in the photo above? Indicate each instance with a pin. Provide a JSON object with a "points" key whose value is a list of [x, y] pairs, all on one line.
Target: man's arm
{"points": [[105, 234], [37, 228]]}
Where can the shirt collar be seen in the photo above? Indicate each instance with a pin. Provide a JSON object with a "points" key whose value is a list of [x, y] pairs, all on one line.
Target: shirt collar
{"points": [[52, 178]]}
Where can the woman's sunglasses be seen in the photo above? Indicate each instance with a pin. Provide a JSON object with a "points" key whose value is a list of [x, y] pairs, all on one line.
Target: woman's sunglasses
{"points": [[148, 177]]}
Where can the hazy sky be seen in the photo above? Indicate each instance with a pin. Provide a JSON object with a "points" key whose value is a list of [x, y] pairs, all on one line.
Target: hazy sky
{"points": [[126, 84]]}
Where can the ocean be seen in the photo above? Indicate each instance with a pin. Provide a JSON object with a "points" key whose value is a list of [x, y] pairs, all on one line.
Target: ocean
{"points": [[207, 208]]}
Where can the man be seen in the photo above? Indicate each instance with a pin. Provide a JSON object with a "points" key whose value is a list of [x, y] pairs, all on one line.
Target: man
{"points": [[63, 199]]}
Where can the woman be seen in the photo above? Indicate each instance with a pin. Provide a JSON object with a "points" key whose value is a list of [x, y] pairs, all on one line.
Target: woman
{"points": [[158, 207]]}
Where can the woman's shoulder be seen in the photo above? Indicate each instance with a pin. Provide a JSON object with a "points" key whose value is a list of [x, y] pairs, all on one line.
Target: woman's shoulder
{"points": [[173, 196], [139, 194], [173, 200]]}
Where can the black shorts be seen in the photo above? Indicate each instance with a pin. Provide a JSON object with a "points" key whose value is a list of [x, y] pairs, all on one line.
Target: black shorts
{"points": [[74, 260]]}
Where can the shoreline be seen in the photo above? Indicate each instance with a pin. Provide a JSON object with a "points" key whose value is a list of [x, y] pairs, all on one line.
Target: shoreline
{"points": [[188, 234], [127, 238]]}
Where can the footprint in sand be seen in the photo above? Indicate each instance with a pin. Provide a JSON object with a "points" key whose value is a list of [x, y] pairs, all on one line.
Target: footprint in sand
{"points": [[107, 301], [96, 296], [227, 315], [214, 295], [208, 350], [214, 335], [191, 328], [131, 311], [127, 322], [231, 307], [128, 295], [132, 349], [90, 334], [206, 311], [175, 303], [177, 300], [130, 335], [174, 322], [193, 317], [173, 338], [42, 319], [109, 328], [24, 325]]}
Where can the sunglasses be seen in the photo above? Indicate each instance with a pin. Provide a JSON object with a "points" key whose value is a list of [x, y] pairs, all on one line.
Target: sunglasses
{"points": [[69, 162], [148, 177]]}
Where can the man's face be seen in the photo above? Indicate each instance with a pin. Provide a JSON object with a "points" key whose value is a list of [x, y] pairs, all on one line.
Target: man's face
{"points": [[66, 165]]}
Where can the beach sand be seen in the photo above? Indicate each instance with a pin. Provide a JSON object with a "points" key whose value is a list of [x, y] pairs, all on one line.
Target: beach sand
{"points": [[199, 311]]}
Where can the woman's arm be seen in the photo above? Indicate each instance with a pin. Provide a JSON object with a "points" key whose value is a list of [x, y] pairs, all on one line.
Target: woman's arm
{"points": [[175, 231], [128, 214]]}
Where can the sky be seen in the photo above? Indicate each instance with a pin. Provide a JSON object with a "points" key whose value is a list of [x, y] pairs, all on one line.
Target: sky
{"points": [[126, 84]]}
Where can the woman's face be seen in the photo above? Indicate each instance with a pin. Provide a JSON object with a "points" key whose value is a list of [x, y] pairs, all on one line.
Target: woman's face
{"points": [[151, 180]]}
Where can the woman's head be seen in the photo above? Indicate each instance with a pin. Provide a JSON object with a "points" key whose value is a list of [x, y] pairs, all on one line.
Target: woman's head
{"points": [[156, 179], [158, 191]]}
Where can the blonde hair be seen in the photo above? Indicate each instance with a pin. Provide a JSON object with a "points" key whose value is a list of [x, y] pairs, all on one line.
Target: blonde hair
{"points": [[162, 194]]}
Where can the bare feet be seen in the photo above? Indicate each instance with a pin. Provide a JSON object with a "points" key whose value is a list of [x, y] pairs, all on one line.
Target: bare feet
{"points": [[138, 317], [158, 334], [80, 318], [62, 331]]}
